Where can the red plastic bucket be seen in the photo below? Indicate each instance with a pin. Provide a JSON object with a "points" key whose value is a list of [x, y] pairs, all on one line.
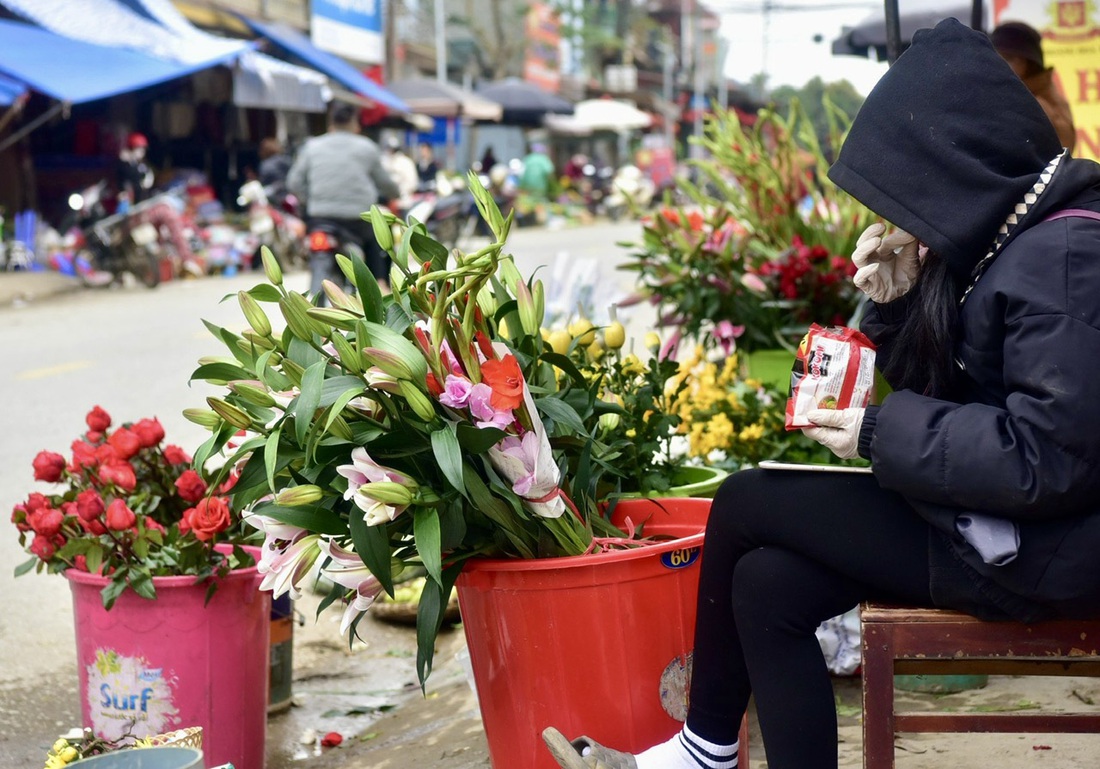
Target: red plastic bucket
{"points": [[594, 644], [172, 662]]}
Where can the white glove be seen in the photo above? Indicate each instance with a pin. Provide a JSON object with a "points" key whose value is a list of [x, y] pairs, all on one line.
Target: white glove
{"points": [[885, 267], [837, 430]]}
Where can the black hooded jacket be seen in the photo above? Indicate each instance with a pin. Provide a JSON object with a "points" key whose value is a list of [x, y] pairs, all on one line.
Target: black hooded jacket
{"points": [[948, 145]]}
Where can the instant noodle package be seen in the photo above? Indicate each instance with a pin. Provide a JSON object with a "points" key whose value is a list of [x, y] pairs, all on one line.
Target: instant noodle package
{"points": [[834, 368]]}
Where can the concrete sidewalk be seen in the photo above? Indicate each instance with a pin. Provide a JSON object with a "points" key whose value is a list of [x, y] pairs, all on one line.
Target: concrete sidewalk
{"points": [[20, 287]]}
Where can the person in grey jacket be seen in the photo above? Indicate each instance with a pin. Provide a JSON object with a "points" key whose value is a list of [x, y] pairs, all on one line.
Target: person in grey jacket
{"points": [[984, 495], [339, 175]]}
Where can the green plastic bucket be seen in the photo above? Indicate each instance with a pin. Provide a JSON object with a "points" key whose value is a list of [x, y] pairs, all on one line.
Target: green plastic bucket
{"points": [[145, 758], [939, 684]]}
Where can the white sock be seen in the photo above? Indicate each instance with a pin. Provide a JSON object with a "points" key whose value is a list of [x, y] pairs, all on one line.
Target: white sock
{"points": [[688, 751]]}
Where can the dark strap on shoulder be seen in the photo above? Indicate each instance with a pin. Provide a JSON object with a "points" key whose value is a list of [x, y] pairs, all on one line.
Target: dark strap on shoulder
{"points": [[1067, 213]]}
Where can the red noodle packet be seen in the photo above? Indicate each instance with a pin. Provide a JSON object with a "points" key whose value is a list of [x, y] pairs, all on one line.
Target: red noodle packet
{"points": [[834, 368]]}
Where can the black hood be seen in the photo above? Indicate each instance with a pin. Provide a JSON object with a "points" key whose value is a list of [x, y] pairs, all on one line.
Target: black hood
{"points": [[947, 143]]}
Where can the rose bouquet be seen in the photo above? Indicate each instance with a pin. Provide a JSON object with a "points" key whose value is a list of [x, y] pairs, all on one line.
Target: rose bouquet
{"points": [[388, 435], [130, 507]]}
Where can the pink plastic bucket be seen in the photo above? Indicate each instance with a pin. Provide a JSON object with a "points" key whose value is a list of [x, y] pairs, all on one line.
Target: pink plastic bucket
{"points": [[173, 662], [594, 644]]}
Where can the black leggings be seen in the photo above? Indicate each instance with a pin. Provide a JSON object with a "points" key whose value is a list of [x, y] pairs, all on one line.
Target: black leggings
{"points": [[784, 551]]}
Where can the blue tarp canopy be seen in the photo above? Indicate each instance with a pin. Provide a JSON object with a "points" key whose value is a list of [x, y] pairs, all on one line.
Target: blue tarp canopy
{"points": [[10, 90], [300, 47], [76, 72]]}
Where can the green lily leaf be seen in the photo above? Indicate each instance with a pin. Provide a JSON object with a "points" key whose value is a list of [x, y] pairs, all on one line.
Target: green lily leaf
{"points": [[448, 453], [308, 401], [426, 532], [314, 518], [372, 543]]}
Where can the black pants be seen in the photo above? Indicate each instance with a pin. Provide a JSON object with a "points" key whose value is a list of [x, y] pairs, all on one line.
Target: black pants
{"points": [[361, 233], [784, 551]]}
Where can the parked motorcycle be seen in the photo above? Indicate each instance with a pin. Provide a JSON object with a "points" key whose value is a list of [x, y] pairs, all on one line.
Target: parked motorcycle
{"points": [[325, 240], [446, 208], [279, 230], [114, 244]]}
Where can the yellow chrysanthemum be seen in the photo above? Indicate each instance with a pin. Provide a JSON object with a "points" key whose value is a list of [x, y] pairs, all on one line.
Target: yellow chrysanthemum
{"points": [[753, 432]]}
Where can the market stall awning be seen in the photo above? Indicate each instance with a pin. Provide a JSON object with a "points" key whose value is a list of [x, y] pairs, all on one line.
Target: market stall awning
{"points": [[431, 97], [73, 71], [594, 115], [10, 90], [264, 82], [524, 102], [299, 46], [869, 38]]}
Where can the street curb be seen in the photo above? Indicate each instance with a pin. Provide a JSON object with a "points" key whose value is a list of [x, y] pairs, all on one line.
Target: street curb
{"points": [[22, 287]]}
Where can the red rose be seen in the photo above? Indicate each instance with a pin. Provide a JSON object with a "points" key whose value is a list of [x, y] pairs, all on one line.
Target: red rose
{"points": [[185, 520], [19, 518], [125, 442], [48, 466], [93, 436], [106, 453], [209, 517], [37, 501], [83, 455], [176, 456], [152, 525], [119, 516], [80, 563], [506, 380], [98, 420], [150, 432], [89, 505], [46, 523], [191, 486], [229, 483], [94, 527], [42, 547], [121, 474]]}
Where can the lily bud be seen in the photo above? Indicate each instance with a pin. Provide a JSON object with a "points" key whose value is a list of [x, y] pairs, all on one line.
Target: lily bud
{"points": [[486, 301], [299, 495], [253, 339], [202, 417], [538, 293], [294, 372], [272, 269], [418, 400], [333, 316], [388, 492], [382, 232], [230, 413], [297, 322], [253, 392], [254, 314], [340, 429], [340, 298], [348, 356], [528, 316]]}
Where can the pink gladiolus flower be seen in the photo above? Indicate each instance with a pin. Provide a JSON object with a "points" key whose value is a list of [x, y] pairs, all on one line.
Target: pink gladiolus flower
{"points": [[456, 391], [482, 409]]}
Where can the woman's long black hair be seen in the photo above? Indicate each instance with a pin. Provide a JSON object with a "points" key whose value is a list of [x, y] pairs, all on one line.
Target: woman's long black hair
{"points": [[922, 356]]}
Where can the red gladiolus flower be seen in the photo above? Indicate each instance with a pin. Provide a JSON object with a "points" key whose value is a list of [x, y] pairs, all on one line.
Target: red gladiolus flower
{"points": [[121, 474], [695, 221], [176, 456], [149, 431], [42, 547], [48, 466], [209, 517], [89, 505], [505, 379], [125, 442], [46, 523], [433, 386], [119, 516], [83, 455], [190, 486], [98, 419]]}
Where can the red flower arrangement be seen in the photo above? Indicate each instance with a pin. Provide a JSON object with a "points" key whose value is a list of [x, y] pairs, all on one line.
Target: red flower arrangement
{"points": [[131, 508]]}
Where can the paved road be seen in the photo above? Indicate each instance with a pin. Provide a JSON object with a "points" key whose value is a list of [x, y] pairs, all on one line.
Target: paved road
{"points": [[131, 351]]}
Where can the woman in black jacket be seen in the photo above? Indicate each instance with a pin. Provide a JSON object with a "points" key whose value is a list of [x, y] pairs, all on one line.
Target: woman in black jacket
{"points": [[985, 493]]}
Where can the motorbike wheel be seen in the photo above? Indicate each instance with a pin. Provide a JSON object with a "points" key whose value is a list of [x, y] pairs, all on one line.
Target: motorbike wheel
{"points": [[448, 231], [145, 266]]}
